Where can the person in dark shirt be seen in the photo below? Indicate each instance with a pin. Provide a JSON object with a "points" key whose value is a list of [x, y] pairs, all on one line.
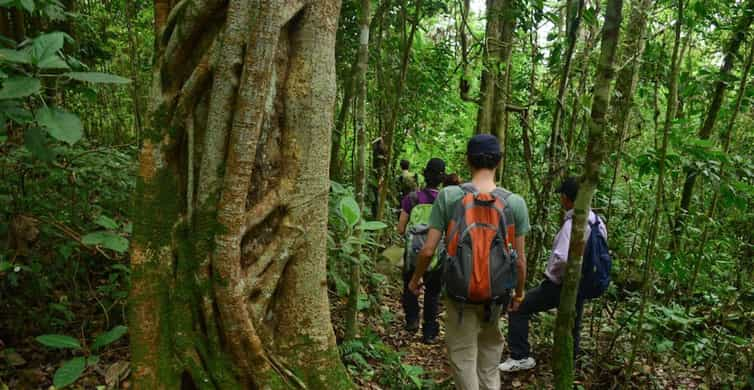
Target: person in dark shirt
{"points": [[434, 174]]}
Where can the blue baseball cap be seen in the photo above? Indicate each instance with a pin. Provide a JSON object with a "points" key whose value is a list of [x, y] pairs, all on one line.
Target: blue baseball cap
{"points": [[483, 143]]}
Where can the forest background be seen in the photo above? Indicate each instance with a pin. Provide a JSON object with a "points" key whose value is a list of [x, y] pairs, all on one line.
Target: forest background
{"points": [[79, 101]]}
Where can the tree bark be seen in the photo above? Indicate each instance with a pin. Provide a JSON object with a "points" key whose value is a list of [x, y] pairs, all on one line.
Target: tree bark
{"points": [[596, 150], [574, 10], [340, 125], [360, 82], [501, 23], [718, 95], [627, 80], [464, 85], [229, 286], [670, 114]]}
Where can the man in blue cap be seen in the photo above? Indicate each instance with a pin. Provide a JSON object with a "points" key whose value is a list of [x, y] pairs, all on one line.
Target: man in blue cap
{"points": [[473, 336]]}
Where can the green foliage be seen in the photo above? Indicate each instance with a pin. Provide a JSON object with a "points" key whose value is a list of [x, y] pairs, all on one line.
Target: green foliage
{"points": [[345, 219], [59, 341], [71, 370], [368, 358]]}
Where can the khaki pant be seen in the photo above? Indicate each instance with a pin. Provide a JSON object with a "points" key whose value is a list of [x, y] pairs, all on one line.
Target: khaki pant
{"points": [[474, 347]]}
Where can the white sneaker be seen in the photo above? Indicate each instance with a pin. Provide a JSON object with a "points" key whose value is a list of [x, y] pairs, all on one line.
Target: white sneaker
{"points": [[512, 365]]}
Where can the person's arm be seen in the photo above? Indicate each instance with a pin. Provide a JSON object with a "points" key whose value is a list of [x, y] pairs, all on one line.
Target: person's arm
{"points": [[402, 222], [520, 246], [424, 258]]}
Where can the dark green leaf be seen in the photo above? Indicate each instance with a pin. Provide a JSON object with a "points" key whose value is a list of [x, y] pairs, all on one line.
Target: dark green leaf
{"points": [[58, 341], [69, 372], [61, 125], [19, 87], [96, 77], [15, 56], [53, 62], [109, 337], [46, 46], [106, 240], [106, 222], [28, 5], [34, 140]]}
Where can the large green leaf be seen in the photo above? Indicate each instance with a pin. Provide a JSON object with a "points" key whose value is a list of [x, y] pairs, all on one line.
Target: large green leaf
{"points": [[69, 372], [53, 62], [28, 5], [13, 110], [106, 240], [349, 209], [109, 337], [19, 87], [34, 140], [46, 46], [106, 222], [58, 341], [97, 77], [372, 225], [60, 124], [15, 56]]}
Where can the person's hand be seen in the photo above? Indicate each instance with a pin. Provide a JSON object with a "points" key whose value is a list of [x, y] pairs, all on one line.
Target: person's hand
{"points": [[415, 285], [513, 306]]}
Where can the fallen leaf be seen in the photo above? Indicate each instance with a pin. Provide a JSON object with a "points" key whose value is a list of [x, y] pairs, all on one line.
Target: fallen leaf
{"points": [[13, 358], [116, 373]]}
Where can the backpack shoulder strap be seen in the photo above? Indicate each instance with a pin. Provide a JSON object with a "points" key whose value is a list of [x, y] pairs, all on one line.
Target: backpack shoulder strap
{"points": [[502, 193], [413, 197], [469, 188], [506, 213]]}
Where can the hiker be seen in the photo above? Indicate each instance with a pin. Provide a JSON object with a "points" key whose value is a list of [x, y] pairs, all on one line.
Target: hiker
{"points": [[414, 224], [485, 229], [407, 181], [547, 295], [452, 179]]}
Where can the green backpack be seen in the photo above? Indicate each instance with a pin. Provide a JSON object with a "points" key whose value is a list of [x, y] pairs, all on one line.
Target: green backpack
{"points": [[417, 231]]}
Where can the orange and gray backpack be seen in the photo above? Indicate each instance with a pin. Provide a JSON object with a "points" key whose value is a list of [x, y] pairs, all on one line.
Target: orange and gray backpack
{"points": [[481, 263]]}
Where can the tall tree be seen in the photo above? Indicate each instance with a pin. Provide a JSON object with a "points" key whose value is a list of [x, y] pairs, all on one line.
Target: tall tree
{"points": [[596, 151], [628, 77], [718, 95], [360, 82], [574, 9], [670, 114], [498, 45], [387, 133], [228, 252]]}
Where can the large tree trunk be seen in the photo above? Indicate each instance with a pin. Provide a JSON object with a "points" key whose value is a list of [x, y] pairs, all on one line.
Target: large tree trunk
{"points": [[626, 81], [718, 95], [670, 114], [596, 151], [228, 255], [493, 105], [360, 83]]}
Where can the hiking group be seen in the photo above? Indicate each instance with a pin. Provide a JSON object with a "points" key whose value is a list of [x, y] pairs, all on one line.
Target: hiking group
{"points": [[469, 240]]}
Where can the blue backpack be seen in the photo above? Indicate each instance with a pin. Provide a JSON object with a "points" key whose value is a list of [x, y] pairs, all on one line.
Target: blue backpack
{"points": [[596, 265]]}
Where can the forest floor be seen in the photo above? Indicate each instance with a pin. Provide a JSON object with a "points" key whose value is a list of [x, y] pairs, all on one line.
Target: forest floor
{"points": [[602, 374]]}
